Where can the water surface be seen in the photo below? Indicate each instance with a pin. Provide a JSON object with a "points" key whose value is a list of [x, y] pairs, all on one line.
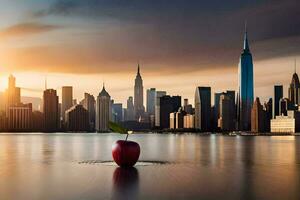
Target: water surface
{"points": [[68, 166]]}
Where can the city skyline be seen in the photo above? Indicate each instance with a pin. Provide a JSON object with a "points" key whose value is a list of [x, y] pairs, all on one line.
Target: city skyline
{"points": [[38, 39]]}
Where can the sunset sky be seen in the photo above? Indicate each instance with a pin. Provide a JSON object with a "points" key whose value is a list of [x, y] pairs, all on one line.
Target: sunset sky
{"points": [[179, 44]]}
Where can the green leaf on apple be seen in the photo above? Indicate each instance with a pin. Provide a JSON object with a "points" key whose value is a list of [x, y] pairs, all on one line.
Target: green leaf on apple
{"points": [[114, 127]]}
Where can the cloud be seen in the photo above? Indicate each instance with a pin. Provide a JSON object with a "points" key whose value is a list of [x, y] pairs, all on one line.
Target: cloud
{"points": [[25, 29], [106, 36]]}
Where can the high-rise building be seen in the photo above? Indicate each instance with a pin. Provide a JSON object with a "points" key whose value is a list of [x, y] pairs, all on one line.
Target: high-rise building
{"points": [[177, 119], [12, 93], [168, 105], [38, 121], [51, 110], [226, 111], [77, 119], [139, 108], [294, 90], [180, 118], [173, 120], [203, 108], [158, 95], [246, 87], [284, 124], [189, 121], [268, 108], [20, 117], [89, 104], [258, 117], [103, 109], [188, 108], [285, 105], [278, 94], [117, 112], [216, 109], [66, 99], [151, 101], [129, 116]]}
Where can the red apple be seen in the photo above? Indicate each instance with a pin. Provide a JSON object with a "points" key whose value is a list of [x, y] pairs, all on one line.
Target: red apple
{"points": [[126, 153]]}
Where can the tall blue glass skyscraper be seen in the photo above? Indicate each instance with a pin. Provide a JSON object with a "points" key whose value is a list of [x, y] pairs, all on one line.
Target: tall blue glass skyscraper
{"points": [[246, 88]]}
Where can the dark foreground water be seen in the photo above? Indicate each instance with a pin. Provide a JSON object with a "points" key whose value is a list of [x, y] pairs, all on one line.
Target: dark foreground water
{"points": [[69, 166]]}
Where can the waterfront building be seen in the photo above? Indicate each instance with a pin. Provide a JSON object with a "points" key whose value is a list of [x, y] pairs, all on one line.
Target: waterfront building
{"points": [[66, 99], [294, 90], [173, 120], [278, 94], [168, 105], [51, 110], [189, 121], [258, 117], [203, 108], [268, 107], [103, 109], [12, 95], [20, 117], [283, 124], [89, 104], [226, 121], [138, 96], [188, 108], [129, 116], [77, 119], [285, 105], [38, 121], [246, 87], [151, 93], [180, 118], [117, 112], [216, 111], [158, 95]]}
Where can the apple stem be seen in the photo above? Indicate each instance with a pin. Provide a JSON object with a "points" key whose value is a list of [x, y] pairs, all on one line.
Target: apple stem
{"points": [[126, 137]]}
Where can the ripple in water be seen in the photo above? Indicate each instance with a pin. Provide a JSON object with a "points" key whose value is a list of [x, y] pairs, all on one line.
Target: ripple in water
{"points": [[112, 163]]}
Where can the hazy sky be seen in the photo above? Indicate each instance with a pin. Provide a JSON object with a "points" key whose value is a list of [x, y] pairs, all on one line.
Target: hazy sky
{"points": [[180, 44]]}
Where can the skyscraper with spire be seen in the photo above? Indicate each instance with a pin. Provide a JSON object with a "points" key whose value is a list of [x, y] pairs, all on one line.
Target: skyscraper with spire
{"points": [[294, 89], [246, 86], [139, 108], [103, 109]]}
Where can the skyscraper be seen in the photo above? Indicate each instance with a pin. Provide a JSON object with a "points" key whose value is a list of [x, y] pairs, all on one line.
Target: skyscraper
{"points": [[157, 106], [117, 112], [138, 96], [258, 117], [50, 109], [216, 111], [77, 119], [278, 94], [203, 108], [103, 111], [226, 119], [130, 110], [89, 104], [151, 101], [20, 117], [12, 93], [246, 88], [294, 90], [168, 105], [66, 99]]}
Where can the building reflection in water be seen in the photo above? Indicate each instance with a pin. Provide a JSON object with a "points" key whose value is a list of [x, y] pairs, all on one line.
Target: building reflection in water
{"points": [[125, 183]]}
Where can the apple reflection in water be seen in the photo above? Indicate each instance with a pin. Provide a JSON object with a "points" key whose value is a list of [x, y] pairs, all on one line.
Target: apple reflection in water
{"points": [[125, 183]]}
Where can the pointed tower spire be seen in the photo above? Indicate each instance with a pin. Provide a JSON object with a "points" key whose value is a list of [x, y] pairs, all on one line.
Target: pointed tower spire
{"points": [[46, 82], [138, 70], [295, 70], [246, 44]]}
